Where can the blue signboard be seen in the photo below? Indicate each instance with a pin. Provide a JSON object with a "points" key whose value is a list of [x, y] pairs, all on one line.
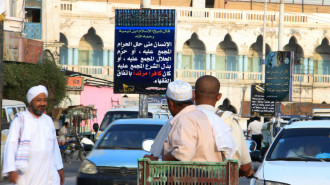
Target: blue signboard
{"points": [[144, 51], [278, 77]]}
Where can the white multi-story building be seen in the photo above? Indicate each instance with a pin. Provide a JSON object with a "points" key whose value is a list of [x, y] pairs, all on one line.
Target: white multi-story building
{"points": [[220, 38]]}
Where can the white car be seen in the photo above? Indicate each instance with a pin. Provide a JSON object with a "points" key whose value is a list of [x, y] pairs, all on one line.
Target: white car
{"points": [[299, 155]]}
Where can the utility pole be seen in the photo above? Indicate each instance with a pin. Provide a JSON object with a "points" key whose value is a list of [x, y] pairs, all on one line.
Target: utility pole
{"points": [[280, 29], [264, 49], [2, 22], [143, 98]]}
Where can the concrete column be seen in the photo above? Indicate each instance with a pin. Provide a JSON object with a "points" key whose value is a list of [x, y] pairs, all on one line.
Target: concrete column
{"points": [[208, 62], [305, 66], [213, 61], [105, 57], [179, 60], [111, 58], [75, 56], [240, 63], [320, 67], [245, 63], [90, 58], [311, 66], [70, 56]]}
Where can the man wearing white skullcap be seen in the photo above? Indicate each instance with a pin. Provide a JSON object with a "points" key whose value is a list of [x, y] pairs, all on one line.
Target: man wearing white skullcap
{"points": [[187, 138], [32, 154]]}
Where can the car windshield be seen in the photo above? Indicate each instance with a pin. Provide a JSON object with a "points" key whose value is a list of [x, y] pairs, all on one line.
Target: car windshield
{"points": [[302, 144], [128, 136], [112, 116]]}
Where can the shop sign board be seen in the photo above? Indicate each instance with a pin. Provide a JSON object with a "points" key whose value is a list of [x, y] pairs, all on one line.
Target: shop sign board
{"points": [[259, 106], [75, 83], [144, 51]]}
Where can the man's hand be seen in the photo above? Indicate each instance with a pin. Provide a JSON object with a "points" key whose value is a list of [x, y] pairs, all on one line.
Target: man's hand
{"points": [[61, 173], [13, 177], [151, 157], [246, 170]]}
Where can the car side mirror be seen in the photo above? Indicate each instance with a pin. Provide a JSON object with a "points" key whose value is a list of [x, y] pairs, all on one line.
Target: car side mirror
{"points": [[252, 145], [256, 155], [146, 144], [96, 127]]}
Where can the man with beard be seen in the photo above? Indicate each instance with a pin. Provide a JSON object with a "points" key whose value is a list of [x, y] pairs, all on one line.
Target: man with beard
{"points": [[32, 154]]}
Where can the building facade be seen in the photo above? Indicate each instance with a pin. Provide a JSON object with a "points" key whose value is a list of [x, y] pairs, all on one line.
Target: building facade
{"points": [[219, 38], [221, 42]]}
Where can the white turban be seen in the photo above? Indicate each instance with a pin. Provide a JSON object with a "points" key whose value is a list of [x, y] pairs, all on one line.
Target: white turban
{"points": [[35, 91]]}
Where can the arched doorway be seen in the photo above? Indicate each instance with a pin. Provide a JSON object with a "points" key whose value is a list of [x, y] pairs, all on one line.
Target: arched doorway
{"points": [[193, 54], [90, 49], [64, 50], [226, 56], [298, 55], [322, 58], [255, 55]]}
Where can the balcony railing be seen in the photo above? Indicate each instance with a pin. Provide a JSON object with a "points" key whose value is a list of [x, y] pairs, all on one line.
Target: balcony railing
{"points": [[190, 75], [195, 14]]}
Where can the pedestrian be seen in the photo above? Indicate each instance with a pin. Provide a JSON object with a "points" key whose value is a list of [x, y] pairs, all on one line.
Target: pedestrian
{"points": [[206, 96], [63, 132], [255, 128], [190, 138], [32, 155]]}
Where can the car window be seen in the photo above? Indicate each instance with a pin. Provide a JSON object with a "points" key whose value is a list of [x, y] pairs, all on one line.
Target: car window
{"points": [[301, 144], [4, 117], [128, 136], [20, 109], [112, 116], [11, 113]]}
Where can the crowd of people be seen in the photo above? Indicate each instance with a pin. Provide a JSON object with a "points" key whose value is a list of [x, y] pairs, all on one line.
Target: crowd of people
{"points": [[196, 132]]}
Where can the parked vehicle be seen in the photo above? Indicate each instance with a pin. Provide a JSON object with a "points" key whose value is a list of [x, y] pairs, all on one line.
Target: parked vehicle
{"points": [[321, 114], [9, 109], [299, 155], [77, 143], [113, 159], [155, 111]]}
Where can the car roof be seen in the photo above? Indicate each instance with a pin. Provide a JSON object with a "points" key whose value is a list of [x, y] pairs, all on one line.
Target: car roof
{"points": [[309, 124], [6, 102], [151, 109], [139, 121]]}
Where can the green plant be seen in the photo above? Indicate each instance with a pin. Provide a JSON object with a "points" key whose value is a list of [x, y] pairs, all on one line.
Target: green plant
{"points": [[20, 77]]}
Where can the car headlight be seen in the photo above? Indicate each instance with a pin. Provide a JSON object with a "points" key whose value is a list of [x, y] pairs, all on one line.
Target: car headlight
{"points": [[255, 181], [88, 167]]}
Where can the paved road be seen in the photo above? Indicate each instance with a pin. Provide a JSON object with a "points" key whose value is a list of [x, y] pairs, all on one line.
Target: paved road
{"points": [[71, 168]]}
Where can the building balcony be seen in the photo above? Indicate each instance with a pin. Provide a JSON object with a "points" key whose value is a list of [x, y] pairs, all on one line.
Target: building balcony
{"points": [[225, 77], [32, 30]]}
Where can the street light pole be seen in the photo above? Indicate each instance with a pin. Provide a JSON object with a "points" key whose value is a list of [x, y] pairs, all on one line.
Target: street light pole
{"points": [[143, 98], [280, 29], [264, 49], [2, 22]]}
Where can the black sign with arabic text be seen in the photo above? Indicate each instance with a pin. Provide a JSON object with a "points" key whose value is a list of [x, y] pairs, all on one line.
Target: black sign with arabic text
{"points": [[259, 106], [144, 51]]}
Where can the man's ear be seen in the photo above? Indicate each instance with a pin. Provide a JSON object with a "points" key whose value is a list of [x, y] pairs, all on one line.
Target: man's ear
{"points": [[219, 96], [194, 96]]}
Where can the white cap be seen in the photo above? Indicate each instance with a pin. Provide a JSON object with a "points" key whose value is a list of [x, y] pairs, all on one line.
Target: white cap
{"points": [[179, 91], [35, 91]]}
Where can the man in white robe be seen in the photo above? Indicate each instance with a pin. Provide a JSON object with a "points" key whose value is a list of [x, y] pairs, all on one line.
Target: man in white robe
{"points": [[32, 155], [206, 96]]}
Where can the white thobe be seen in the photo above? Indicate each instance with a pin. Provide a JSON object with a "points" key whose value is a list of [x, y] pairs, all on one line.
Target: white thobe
{"points": [[157, 148], [44, 158]]}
